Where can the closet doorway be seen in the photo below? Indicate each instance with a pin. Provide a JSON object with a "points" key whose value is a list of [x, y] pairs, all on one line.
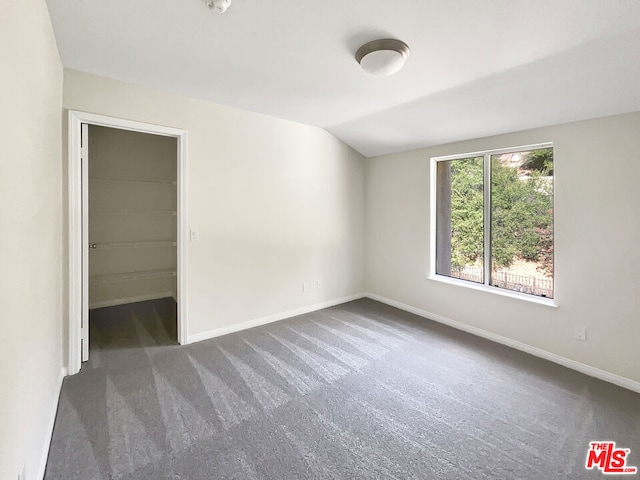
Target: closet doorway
{"points": [[127, 224]]}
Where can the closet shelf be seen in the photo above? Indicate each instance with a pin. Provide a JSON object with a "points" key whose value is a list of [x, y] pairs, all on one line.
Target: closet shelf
{"points": [[134, 180], [133, 212], [123, 277], [157, 243]]}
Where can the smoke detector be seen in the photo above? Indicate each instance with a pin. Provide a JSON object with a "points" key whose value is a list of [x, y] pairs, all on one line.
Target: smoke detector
{"points": [[218, 6]]}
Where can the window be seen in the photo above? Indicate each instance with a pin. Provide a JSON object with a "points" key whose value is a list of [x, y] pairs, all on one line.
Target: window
{"points": [[493, 221]]}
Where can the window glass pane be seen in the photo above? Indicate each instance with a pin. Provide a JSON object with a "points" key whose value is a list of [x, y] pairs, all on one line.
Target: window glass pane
{"points": [[522, 221], [459, 220]]}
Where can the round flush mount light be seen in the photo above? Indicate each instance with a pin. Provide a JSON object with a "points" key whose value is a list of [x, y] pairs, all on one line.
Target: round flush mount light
{"points": [[218, 6], [382, 57]]}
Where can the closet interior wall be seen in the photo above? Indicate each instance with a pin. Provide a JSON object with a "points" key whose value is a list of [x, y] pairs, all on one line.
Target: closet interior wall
{"points": [[132, 216]]}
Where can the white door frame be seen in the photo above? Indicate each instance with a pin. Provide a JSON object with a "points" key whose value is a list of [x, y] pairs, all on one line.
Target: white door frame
{"points": [[78, 229]]}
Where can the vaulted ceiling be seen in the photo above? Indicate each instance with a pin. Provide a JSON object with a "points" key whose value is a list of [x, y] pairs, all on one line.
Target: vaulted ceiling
{"points": [[476, 68]]}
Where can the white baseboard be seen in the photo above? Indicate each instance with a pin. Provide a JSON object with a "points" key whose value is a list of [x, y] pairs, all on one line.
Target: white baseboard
{"points": [[125, 300], [538, 352], [218, 332], [50, 424]]}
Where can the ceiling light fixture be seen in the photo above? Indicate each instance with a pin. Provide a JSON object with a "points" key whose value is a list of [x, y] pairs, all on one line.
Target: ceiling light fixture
{"points": [[218, 6], [382, 57]]}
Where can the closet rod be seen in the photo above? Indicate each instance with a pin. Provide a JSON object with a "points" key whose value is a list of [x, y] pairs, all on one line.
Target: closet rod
{"points": [[134, 212], [134, 180], [155, 243], [125, 277]]}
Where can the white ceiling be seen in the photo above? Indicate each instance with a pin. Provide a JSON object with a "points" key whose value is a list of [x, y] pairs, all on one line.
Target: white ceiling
{"points": [[477, 67]]}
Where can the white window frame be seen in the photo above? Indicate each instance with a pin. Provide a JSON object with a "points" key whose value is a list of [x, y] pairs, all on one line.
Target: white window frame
{"points": [[486, 286]]}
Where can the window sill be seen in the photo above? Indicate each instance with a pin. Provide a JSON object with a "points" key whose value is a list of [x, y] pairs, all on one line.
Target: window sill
{"points": [[549, 302]]}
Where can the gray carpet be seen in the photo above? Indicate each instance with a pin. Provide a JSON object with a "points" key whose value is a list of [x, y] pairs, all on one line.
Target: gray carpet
{"points": [[357, 391]]}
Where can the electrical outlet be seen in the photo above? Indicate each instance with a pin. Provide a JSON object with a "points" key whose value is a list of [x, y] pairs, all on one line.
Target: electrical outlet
{"points": [[580, 333], [319, 284], [304, 286], [195, 235]]}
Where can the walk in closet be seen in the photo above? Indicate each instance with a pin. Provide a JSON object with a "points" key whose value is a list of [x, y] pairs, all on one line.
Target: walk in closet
{"points": [[132, 216]]}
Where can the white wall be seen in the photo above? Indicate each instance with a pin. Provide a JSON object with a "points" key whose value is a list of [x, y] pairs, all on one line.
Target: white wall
{"points": [[31, 279], [597, 244], [276, 202]]}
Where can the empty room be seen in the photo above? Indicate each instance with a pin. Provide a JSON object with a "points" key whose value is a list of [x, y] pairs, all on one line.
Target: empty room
{"points": [[320, 240]]}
